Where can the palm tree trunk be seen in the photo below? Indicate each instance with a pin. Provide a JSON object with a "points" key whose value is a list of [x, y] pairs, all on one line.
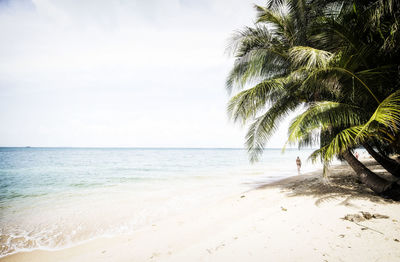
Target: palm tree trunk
{"points": [[369, 178], [389, 164]]}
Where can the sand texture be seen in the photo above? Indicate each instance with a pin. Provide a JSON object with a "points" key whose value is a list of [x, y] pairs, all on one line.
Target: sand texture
{"points": [[302, 218]]}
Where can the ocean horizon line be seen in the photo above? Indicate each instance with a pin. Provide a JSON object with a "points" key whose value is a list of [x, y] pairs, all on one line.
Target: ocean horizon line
{"points": [[159, 148]]}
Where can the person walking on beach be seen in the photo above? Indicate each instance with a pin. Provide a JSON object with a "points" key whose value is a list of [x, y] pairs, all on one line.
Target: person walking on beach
{"points": [[298, 163]]}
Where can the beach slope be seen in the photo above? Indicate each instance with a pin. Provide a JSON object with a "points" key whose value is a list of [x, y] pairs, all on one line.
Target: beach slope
{"points": [[302, 218]]}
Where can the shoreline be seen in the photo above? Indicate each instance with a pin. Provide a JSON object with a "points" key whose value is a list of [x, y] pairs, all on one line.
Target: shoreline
{"points": [[297, 217]]}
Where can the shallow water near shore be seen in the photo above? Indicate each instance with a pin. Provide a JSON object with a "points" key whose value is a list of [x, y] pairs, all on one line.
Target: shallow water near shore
{"points": [[56, 197]]}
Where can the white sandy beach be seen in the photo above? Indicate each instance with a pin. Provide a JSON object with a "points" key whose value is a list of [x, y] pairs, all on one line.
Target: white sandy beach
{"points": [[296, 219]]}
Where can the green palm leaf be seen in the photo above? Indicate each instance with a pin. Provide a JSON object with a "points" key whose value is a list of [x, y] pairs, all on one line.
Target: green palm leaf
{"points": [[323, 115], [248, 103], [387, 114], [308, 57], [261, 130]]}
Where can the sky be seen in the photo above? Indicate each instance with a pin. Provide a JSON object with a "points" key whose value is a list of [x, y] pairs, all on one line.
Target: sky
{"points": [[119, 73]]}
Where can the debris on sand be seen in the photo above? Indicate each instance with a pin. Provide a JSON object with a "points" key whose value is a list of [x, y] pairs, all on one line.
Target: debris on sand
{"points": [[363, 216], [355, 218]]}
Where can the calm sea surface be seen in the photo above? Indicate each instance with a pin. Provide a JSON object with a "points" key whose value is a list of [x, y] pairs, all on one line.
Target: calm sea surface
{"points": [[56, 197]]}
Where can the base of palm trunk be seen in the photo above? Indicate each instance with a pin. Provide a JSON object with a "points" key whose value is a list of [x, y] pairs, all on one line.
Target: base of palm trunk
{"points": [[376, 183], [393, 192]]}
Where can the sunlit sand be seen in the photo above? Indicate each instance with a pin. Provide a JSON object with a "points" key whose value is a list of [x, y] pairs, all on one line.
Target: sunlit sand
{"points": [[296, 219]]}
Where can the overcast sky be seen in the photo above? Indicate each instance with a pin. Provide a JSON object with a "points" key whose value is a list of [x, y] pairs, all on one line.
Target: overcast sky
{"points": [[137, 73]]}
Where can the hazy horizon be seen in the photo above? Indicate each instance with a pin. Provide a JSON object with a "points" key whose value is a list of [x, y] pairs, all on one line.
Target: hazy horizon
{"points": [[154, 147]]}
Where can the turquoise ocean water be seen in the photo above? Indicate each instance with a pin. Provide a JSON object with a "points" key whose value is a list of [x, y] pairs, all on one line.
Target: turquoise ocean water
{"points": [[53, 198]]}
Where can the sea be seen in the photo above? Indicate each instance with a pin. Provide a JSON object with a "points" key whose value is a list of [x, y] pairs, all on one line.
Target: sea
{"points": [[53, 198]]}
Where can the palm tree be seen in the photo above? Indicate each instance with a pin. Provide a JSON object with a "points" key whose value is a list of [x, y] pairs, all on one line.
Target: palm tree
{"points": [[374, 49], [292, 59], [326, 117], [263, 56]]}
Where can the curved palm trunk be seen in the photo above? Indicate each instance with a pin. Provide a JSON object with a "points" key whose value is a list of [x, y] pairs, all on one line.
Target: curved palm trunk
{"points": [[369, 178], [389, 164]]}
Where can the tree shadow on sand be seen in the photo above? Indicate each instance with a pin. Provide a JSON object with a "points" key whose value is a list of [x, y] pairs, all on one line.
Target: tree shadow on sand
{"points": [[341, 185]]}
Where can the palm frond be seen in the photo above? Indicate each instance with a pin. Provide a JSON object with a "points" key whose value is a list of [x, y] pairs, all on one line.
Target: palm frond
{"points": [[340, 143], [248, 103], [261, 130], [387, 114], [308, 57], [323, 115]]}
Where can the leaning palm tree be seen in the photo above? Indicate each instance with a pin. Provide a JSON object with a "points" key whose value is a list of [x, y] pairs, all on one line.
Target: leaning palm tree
{"points": [[294, 63], [373, 56], [328, 117]]}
